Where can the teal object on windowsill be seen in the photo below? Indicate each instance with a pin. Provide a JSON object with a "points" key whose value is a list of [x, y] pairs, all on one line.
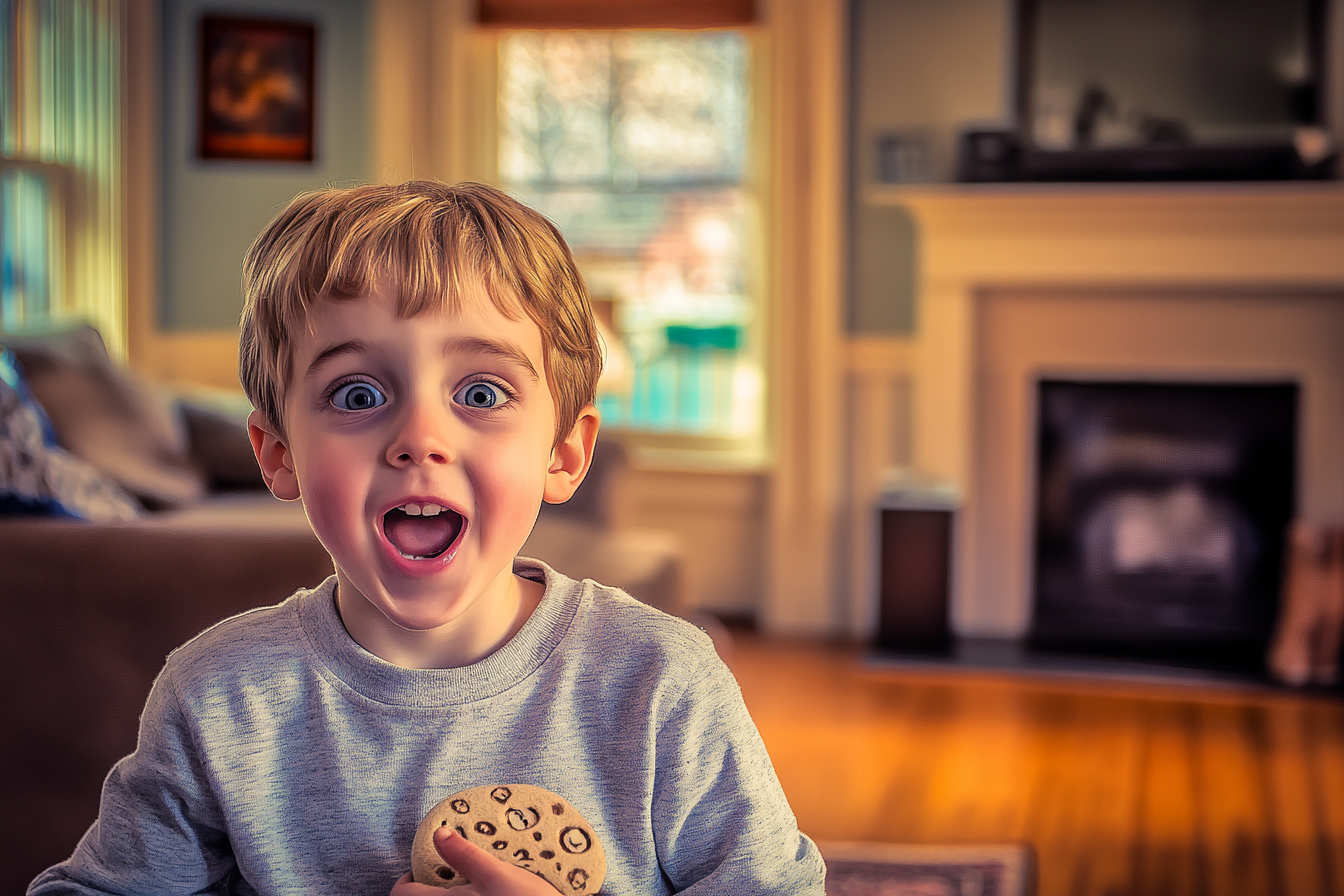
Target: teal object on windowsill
{"points": [[727, 337]]}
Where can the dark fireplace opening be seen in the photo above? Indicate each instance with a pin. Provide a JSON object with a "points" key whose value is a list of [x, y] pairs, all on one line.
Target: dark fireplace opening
{"points": [[1161, 509]]}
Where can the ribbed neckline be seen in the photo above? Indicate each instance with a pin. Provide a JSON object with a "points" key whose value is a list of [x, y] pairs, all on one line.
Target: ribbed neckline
{"points": [[387, 683]]}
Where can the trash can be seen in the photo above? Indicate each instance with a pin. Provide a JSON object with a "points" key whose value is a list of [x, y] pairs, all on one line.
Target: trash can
{"points": [[915, 531]]}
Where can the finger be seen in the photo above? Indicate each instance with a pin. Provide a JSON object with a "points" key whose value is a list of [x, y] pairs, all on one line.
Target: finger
{"points": [[406, 886], [466, 858]]}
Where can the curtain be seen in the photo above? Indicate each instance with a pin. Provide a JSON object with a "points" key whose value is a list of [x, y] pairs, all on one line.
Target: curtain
{"points": [[60, 146]]}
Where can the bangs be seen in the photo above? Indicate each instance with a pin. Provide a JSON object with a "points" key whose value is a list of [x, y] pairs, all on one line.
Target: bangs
{"points": [[429, 256]]}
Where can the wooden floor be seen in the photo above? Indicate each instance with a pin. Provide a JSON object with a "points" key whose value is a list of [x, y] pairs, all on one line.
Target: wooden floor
{"points": [[1120, 788]]}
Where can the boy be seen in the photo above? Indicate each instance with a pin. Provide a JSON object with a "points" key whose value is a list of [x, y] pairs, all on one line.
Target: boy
{"points": [[423, 362]]}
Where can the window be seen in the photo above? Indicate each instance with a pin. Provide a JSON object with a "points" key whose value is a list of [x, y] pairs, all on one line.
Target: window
{"points": [[60, 157], [636, 143], [32, 246]]}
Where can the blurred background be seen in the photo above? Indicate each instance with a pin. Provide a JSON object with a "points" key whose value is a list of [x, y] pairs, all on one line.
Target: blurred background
{"points": [[975, 375]]}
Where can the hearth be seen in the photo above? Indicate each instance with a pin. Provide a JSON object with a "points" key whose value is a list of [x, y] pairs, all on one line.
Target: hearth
{"points": [[1160, 516]]}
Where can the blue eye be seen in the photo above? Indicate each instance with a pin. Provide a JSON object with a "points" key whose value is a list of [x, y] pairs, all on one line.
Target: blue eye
{"points": [[357, 397], [481, 395]]}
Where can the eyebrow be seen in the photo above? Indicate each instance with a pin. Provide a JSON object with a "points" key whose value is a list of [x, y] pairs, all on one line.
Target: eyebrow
{"points": [[506, 350], [349, 347]]}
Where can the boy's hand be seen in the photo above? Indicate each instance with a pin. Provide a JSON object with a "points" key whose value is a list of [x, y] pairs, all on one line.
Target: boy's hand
{"points": [[489, 876]]}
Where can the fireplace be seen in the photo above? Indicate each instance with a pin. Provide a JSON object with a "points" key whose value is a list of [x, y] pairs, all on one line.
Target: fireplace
{"points": [[1175, 284], [1160, 512]]}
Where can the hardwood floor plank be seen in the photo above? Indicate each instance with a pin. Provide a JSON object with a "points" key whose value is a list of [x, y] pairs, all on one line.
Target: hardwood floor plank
{"points": [[1291, 799], [972, 785], [1167, 855], [1324, 736], [1236, 834], [1082, 818]]}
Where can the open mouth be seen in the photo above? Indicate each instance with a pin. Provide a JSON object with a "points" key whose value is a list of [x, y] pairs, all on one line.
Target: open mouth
{"points": [[422, 531]]}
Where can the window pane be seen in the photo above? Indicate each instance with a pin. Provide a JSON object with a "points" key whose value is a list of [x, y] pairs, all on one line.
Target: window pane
{"points": [[622, 109], [635, 144], [25, 291]]}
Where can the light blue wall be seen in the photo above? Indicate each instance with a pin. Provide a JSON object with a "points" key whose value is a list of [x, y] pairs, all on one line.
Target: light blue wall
{"points": [[212, 210]]}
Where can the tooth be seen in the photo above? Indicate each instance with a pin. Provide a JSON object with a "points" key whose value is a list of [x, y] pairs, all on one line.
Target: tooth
{"points": [[431, 510], [411, 509]]}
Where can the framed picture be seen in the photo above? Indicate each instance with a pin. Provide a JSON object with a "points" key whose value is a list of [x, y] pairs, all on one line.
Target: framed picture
{"points": [[256, 89]]}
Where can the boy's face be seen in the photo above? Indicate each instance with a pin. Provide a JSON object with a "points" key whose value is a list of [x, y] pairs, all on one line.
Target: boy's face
{"points": [[422, 450]]}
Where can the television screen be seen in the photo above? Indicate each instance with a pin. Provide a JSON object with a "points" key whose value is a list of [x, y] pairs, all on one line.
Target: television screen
{"points": [[1101, 74]]}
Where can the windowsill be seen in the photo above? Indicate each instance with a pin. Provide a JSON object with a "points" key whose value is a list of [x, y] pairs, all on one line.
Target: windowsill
{"points": [[665, 453]]}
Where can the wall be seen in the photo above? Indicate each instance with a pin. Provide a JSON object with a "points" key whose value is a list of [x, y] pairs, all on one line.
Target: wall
{"points": [[920, 71], [927, 68], [718, 518], [210, 211]]}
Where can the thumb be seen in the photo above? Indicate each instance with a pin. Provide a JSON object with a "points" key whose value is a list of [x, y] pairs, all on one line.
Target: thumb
{"points": [[466, 858]]}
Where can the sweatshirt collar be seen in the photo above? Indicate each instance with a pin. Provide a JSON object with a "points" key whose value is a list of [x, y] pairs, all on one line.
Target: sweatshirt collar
{"points": [[386, 683]]}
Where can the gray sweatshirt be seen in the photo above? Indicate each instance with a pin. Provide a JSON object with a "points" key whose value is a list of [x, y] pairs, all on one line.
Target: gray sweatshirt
{"points": [[278, 756]]}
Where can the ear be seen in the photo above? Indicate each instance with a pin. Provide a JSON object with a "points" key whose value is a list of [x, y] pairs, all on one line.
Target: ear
{"points": [[571, 458], [277, 466]]}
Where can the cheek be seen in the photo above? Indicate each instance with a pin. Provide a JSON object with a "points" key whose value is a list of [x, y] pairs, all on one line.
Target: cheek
{"points": [[332, 493], [510, 488]]}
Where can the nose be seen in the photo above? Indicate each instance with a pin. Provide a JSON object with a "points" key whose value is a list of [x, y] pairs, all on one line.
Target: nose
{"points": [[424, 434]]}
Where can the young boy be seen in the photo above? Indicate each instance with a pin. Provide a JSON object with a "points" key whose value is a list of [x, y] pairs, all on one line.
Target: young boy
{"points": [[423, 362]]}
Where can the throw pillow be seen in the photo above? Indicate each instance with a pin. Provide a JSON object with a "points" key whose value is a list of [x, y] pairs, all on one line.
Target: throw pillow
{"points": [[220, 445], [36, 476], [109, 419]]}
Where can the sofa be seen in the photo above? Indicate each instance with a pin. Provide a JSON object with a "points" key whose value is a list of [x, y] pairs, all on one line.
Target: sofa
{"points": [[167, 529]]}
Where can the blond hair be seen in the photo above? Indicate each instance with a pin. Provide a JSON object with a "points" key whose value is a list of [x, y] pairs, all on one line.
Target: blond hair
{"points": [[428, 241]]}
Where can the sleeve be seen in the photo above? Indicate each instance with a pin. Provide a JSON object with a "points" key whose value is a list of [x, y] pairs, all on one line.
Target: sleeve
{"points": [[159, 828], [721, 822]]}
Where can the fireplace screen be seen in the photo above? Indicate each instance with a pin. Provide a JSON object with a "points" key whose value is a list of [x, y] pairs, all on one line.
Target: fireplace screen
{"points": [[1160, 516]]}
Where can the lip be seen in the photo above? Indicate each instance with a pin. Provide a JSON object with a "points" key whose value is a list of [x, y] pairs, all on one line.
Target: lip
{"points": [[430, 565]]}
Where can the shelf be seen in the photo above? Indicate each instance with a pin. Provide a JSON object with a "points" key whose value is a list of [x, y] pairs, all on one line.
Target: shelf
{"points": [[1273, 210]]}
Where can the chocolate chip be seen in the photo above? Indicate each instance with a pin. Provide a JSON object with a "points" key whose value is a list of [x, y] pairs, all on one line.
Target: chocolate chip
{"points": [[445, 872], [461, 807], [575, 840], [558, 808], [501, 794], [547, 854], [520, 820], [486, 828], [578, 878], [500, 844], [536, 835]]}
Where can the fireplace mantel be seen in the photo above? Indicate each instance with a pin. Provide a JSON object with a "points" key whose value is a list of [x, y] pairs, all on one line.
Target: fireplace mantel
{"points": [[1221, 243]]}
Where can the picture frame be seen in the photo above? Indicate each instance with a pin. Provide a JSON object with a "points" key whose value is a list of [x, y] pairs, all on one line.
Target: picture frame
{"points": [[255, 95]]}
